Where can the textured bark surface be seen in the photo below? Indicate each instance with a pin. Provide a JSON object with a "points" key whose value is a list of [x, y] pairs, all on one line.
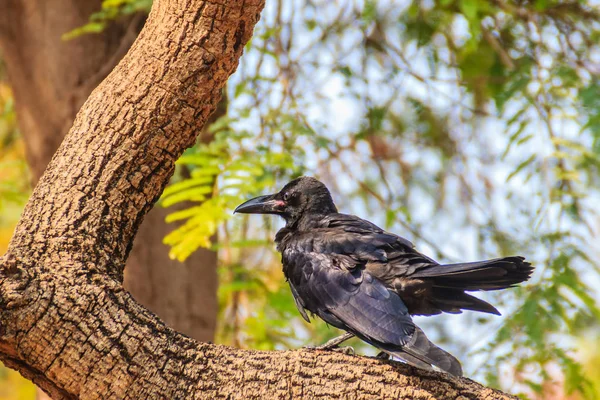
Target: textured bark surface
{"points": [[51, 78], [65, 320]]}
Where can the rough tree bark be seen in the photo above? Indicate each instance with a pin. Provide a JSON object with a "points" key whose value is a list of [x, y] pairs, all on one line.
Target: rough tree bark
{"points": [[65, 320], [51, 79]]}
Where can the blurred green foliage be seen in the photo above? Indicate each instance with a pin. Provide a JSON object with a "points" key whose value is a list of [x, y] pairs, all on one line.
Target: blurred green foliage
{"points": [[220, 177], [14, 176], [14, 387], [111, 10], [471, 127], [14, 191]]}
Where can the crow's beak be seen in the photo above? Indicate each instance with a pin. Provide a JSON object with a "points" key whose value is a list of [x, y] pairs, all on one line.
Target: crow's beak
{"points": [[261, 205]]}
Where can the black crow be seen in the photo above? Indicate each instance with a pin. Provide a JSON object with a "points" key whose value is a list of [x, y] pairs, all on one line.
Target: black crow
{"points": [[368, 282]]}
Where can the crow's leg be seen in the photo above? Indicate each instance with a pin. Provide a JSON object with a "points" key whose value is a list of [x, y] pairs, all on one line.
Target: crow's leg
{"points": [[333, 343]]}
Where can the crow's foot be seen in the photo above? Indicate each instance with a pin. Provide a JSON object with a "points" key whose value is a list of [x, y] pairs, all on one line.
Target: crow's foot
{"points": [[348, 350]]}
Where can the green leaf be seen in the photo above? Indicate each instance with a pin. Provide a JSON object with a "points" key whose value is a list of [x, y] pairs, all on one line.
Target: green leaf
{"points": [[521, 166], [188, 183], [92, 27], [470, 10], [192, 194], [369, 12]]}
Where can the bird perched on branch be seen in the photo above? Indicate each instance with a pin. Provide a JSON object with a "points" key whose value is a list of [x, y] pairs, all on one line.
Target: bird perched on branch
{"points": [[368, 282]]}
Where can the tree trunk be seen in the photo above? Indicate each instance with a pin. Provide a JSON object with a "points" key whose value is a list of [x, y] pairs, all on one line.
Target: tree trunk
{"points": [[65, 321], [51, 79]]}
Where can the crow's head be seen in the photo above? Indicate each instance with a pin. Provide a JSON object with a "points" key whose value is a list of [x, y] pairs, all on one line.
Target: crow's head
{"points": [[302, 196]]}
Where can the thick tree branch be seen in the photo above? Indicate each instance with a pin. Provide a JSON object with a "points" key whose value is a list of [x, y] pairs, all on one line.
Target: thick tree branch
{"points": [[65, 320], [51, 78], [117, 349], [117, 158]]}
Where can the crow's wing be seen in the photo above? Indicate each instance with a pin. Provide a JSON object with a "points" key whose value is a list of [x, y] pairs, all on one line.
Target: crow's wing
{"points": [[299, 303], [342, 293], [361, 239], [345, 295], [352, 223]]}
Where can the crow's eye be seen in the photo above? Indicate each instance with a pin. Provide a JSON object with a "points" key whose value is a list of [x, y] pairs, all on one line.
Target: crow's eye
{"points": [[286, 196]]}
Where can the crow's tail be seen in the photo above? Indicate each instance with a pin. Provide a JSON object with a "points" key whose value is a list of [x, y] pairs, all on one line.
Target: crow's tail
{"points": [[499, 273], [420, 352], [451, 280]]}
